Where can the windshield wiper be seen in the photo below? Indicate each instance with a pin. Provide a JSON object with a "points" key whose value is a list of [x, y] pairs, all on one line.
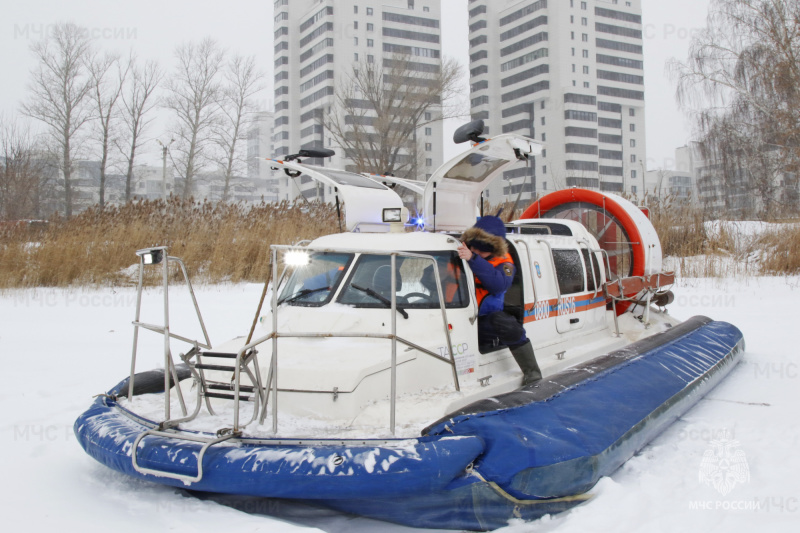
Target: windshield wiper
{"points": [[300, 294], [380, 297]]}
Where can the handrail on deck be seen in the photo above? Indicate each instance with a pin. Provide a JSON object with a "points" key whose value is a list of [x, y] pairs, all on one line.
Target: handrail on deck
{"points": [[154, 256], [274, 335]]}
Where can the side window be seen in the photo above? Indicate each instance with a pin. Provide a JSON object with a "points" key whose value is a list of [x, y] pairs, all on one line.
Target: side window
{"points": [[569, 269], [415, 282], [591, 264]]}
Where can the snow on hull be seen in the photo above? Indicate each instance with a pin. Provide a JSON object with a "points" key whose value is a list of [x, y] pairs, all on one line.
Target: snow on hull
{"points": [[281, 469], [521, 455]]}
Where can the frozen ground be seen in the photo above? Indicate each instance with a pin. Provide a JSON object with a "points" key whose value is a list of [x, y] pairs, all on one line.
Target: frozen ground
{"points": [[58, 348]]}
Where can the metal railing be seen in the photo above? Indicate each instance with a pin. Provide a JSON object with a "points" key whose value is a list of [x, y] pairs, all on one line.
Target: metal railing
{"points": [[154, 256], [246, 355], [274, 335]]}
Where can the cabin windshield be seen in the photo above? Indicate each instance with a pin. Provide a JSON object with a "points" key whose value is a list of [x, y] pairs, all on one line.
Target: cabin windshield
{"points": [[314, 283], [415, 283], [475, 167]]}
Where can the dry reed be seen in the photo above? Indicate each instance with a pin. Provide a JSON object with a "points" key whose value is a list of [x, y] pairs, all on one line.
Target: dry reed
{"points": [[781, 250], [230, 242], [218, 242]]}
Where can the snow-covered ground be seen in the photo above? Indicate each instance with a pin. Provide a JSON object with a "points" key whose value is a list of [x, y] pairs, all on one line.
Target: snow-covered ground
{"points": [[60, 347]]}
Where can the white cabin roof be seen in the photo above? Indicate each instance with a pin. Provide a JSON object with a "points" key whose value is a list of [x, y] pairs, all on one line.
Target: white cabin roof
{"points": [[416, 241]]}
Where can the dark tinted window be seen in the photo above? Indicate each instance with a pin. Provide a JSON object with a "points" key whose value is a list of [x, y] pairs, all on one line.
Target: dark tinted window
{"points": [[312, 284], [415, 282], [569, 269]]}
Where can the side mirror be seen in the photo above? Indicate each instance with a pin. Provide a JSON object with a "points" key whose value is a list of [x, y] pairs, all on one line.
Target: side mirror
{"points": [[319, 152], [469, 132]]}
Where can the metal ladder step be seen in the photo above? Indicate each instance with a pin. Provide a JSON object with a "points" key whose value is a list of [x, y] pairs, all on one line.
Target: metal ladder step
{"points": [[228, 396], [228, 387], [219, 355], [203, 366]]}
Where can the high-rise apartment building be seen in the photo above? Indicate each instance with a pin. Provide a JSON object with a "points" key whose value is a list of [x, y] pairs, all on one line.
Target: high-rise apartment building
{"points": [[259, 149], [568, 73], [318, 43]]}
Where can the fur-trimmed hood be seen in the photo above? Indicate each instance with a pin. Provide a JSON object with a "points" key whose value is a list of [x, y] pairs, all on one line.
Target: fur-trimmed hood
{"points": [[483, 240]]}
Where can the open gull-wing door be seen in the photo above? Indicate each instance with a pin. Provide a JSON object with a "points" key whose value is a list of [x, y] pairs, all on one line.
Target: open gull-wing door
{"points": [[451, 195], [417, 187], [364, 198]]}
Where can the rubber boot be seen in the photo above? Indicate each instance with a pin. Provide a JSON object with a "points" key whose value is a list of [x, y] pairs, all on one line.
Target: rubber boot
{"points": [[526, 360]]}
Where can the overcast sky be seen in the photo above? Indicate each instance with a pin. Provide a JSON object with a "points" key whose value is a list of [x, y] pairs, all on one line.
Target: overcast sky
{"points": [[152, 28]]}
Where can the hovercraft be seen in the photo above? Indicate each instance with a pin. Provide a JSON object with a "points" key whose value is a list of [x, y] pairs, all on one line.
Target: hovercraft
{"points": [[365, 389]]}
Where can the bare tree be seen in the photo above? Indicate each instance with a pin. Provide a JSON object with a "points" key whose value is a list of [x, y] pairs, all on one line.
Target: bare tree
{"points": [[381, 106], [742, 84], [59, 89], [242, 82], [107, 80], [193, 91], [21, 171], [138, 101]]}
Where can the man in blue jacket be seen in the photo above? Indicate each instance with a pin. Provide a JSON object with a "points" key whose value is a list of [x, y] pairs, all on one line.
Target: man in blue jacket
{"points": [[485, 249]]}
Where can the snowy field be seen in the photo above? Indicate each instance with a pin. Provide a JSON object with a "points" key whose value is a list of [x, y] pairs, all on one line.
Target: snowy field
{"points": [[61, 347]]}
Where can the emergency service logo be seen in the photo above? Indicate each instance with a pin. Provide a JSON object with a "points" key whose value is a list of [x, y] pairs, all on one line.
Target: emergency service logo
{"points": [[724, 466]]}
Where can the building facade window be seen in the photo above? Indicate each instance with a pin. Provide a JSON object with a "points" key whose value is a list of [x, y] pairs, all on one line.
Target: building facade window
{"points": [[586, 99], [618, 76], [622, 47], [620, 61], [522, 45], [572, 114], [610, 123], [522, 28]]}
